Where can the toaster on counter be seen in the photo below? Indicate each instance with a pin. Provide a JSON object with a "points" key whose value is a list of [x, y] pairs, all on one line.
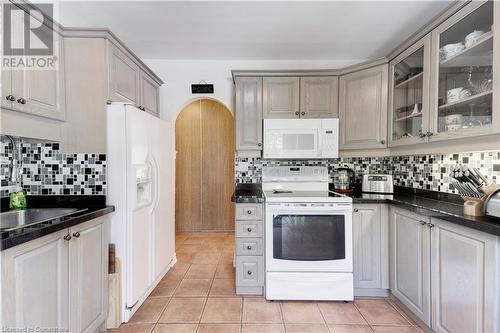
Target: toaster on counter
{"points": [[374, 183]]}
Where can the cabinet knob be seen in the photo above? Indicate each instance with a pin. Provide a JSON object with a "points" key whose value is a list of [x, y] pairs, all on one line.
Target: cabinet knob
{"points": [[249, 212], [302, 113], [423, 223], [382, 142], [67, 237], [76, 234], [429, 134], [10, 98], [430, 225], [249, 229], [249, 272], [296, 113], [21, 100], [355, 210], [259, 144], [422, 135], [249, 247]]}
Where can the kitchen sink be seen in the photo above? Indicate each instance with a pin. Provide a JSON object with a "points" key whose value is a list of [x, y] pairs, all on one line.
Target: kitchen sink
{"points": [[16, 219]]}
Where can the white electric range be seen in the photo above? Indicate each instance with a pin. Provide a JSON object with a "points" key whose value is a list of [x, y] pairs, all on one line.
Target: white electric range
{"points": [[308, 236]]}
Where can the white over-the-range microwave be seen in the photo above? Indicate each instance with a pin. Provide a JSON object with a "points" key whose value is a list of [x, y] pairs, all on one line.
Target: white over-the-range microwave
{"points": [[301, 138]]}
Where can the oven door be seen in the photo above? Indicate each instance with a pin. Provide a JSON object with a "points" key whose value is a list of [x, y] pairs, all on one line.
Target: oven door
{"points": [[309, 237]]}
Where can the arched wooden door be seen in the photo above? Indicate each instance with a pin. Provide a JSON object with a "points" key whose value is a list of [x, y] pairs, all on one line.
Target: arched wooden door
{"points": [[204, 182]]}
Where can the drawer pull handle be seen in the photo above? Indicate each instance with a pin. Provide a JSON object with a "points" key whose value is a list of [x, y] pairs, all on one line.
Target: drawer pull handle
{"points": [[249, 212], [249, 272], [249, 247], [249, 229]]}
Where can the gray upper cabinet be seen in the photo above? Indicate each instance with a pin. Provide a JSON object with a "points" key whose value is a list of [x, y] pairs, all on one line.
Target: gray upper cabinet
{"points": [[464, 85], [248, 114], [409, 95], [319, 97], [99, 70], [130, 84], [33, 100], [124, 76], [39, 92], [363, 108], [281, 97], [149, 99]]}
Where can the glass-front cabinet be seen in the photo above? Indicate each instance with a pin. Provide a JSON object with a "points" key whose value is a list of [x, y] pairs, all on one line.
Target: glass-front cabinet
{"points": [[465, 60], [409, 95]]}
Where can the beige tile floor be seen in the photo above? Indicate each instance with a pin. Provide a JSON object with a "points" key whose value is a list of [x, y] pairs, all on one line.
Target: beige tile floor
{"points": [[197, 296]]}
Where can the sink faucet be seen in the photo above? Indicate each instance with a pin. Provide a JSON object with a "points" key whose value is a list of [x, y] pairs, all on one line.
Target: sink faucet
{"points": [[13, 168]]}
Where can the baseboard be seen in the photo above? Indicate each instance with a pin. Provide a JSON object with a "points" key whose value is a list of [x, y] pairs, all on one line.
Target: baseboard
{"points": [[245, 291], [371, 292], [410, 314]]}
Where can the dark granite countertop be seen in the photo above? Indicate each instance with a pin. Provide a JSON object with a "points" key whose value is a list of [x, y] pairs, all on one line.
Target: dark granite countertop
{"points": [[94, 205], [248, 193], [444, 206]]}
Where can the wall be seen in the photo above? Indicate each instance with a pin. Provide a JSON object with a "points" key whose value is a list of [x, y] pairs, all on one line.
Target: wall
{"points": [[46, 170], [428, 172], [180, 74]]}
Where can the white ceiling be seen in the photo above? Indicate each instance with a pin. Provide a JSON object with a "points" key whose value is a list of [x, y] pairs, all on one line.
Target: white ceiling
{"points": [[255, 30]]}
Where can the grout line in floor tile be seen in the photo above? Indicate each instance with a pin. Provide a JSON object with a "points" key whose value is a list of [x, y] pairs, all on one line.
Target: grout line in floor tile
{"points": [[400, 311], [366, 320]]}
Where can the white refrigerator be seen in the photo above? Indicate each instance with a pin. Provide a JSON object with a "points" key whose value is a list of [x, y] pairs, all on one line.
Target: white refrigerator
{"points": [[141, 183]]}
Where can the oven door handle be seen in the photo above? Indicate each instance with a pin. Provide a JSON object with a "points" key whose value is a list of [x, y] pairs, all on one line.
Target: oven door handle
{"points": [[319, 210]]}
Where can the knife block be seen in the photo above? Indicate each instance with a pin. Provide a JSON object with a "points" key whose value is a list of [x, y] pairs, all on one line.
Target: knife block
{"points": [[475, 206]]}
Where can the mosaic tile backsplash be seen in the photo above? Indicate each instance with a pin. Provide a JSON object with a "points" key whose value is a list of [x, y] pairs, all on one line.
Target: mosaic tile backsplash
{"points": [[44, 169], [428, 172]]}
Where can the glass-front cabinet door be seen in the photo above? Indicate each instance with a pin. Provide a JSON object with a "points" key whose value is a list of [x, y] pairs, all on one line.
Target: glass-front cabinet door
{"points": [[409, 99], [464, 66]]}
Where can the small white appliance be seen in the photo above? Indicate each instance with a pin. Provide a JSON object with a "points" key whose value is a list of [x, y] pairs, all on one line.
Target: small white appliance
{"points": [[308, 236], [140, 176], [375, 183], [301, 138]]}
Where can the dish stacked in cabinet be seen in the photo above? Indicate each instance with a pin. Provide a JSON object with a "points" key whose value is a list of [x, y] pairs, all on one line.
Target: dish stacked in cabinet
{"points": [[249, 249]]}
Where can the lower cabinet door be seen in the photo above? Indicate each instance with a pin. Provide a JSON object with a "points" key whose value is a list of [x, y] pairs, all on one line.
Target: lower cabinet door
{"points": [[88, 275], [34, 283], [410, 262], [370, 247], [249, 271], [464, 279]]}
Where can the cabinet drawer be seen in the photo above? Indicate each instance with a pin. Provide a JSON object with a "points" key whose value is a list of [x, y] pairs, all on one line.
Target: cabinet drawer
{"points": [[249, 229], [249, 271], [248, 211], [249, 246]]}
